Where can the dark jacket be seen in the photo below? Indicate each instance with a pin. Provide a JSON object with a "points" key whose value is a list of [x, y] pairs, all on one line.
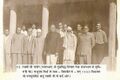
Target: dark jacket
{"points": [[52, 43]]}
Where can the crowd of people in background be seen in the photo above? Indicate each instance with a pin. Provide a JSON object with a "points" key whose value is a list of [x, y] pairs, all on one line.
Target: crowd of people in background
{"points": [[61, 45]]}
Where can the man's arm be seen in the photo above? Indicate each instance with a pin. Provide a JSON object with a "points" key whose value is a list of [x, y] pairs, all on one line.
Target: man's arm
{"points": [[104, 37]]}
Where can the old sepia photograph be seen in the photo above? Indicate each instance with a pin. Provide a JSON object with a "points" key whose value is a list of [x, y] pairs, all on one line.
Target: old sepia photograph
{"points": [[59, 32]]}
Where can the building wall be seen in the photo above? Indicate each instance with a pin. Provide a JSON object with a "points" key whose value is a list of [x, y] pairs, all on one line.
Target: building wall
{"points": [[28, 15], [6, 17], [83, 12]]}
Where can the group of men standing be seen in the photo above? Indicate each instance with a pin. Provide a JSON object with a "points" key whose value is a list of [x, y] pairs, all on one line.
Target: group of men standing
{"points": [[61, 45]]}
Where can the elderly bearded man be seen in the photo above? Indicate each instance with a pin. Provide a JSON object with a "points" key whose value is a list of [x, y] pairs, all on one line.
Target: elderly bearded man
{"points": [[70, 42], [38, 49]]}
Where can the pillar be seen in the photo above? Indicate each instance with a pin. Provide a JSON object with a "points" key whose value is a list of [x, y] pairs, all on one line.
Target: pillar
{"points": [[112, 29], [45, 18], [118, 35], [1, 40], [45, 22], [13, 18], [112, 32]]}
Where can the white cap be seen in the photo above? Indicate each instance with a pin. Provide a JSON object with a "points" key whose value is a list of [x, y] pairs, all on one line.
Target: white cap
{"points": [[60, 23], [98, 24], [65, 25], [38, 30], [78, 25], [69, 28], [86, 26]]}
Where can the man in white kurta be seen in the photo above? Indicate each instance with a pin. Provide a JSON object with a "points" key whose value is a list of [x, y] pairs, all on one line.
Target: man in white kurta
{"points": [[23, 31], [7, 50], [38, 43], [85, 44], [70, 42], [17, 48], [34, 30]]}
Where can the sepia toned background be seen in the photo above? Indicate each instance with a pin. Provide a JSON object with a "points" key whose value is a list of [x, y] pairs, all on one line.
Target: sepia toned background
{"points": [[110, 75], [72, 12]]}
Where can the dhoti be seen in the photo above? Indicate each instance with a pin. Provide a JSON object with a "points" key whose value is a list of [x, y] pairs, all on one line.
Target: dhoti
{"points": [[69, 57], [51, 59]]}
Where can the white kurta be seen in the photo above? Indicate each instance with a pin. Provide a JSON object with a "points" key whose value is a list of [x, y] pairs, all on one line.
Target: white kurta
{"points": [[34, 32], [7, 52], [38, 43], [24, 32], [70, 42]]}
